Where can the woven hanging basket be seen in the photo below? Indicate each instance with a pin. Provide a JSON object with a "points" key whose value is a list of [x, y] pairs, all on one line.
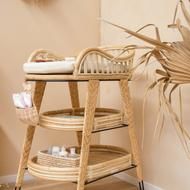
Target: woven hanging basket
{"points": [[28, 115]]}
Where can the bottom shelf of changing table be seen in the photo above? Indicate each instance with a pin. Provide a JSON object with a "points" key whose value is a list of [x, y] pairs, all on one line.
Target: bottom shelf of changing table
{"points": [[103, 161]]}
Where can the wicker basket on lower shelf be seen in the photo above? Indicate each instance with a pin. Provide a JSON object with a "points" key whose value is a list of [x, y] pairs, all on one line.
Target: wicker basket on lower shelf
{"points": [[103, 160], [46, 159]]}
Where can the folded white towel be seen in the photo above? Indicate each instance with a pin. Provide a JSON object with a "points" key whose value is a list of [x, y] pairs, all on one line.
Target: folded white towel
{"points": [[27, 99], [19, 101], [65, 66], [22, 100]]}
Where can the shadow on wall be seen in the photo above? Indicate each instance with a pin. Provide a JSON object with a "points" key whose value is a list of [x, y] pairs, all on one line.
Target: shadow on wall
{"points": [[9, 155], [40, 3]]}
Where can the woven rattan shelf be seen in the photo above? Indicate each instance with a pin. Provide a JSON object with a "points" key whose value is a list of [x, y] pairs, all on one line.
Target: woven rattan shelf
{"points": [[92, 65], [103, 160], [73, 119]]}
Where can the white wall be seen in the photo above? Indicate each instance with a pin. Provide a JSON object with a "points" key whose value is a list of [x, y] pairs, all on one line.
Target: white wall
{"points": [[164, 162], [66, 27]]}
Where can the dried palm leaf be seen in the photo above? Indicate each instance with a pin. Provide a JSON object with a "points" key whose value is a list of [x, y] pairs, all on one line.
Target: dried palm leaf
{"points": [[174, 57]]}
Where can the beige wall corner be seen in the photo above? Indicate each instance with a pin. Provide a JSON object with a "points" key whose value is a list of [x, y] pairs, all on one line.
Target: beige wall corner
{"points": [[164, 162], [65, 27]]}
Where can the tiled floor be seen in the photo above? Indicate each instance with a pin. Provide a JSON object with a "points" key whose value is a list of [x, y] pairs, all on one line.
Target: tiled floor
{"points": [[110, 183]]}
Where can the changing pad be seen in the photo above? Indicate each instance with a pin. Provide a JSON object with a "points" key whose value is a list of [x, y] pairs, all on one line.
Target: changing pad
{"points": [[48, 67]]}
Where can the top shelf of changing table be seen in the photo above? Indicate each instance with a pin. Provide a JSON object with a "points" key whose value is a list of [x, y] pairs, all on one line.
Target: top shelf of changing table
{"points": [[103, 63], [62, 78]]}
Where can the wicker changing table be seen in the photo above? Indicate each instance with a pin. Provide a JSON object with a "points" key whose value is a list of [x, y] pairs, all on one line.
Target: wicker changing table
{"points": [[98, 161]]}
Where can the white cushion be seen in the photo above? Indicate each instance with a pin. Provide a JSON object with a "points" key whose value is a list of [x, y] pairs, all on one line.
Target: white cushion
{"points": [[65, 66]]}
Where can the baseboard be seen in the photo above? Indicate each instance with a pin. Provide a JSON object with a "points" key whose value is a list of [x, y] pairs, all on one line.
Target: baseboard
{"points": [[123, 176], [12, 178], [133, 180]]}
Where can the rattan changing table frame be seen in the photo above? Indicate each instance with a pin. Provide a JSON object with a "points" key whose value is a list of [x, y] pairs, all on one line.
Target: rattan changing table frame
{"points": [[93, 75]]}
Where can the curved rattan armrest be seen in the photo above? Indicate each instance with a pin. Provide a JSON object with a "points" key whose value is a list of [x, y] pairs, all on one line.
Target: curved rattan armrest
{"points": [[103, 53], [44, 55]]}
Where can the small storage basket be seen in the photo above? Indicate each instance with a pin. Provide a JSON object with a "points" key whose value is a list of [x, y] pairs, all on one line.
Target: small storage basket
{"points": [[28, 115], [46, 159]]}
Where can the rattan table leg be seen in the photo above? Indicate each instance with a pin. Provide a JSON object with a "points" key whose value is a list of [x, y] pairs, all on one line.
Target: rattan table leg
{"points": [[38, 95], [74, 94], [128, 111], [24, 156], [73, 88], [93, 87]]}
